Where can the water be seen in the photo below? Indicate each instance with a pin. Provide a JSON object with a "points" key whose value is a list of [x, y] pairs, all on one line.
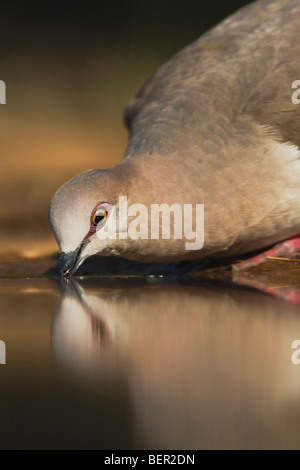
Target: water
{"points": [[145, 362]]}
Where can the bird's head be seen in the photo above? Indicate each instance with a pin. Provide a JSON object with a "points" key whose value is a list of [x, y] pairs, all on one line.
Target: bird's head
{"points": [[79, 210]]}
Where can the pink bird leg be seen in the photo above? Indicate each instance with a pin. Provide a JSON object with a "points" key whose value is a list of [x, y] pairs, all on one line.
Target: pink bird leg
{"points": [[287, 249]]}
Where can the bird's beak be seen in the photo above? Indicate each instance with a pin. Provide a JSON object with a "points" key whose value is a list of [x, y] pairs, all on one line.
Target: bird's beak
{"points": [[69, 262]]}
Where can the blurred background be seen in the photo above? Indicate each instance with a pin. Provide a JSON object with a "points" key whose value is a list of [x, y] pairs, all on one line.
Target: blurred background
{"points": [[69, 73]]}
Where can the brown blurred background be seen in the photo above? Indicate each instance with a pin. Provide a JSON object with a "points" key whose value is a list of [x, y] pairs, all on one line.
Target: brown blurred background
{"points": [[69, 73]]}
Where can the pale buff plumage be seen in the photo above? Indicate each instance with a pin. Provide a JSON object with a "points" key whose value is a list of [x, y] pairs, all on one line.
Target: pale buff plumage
{"points": [[215, 125]]}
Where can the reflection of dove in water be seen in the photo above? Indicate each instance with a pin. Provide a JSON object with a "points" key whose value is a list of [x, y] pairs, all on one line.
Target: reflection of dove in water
{"points": [[206, 367], [85, 327], [215, 125]]}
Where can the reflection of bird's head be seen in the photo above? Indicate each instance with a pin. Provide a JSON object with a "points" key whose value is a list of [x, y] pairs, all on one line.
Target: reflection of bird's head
{"points": [[84, 328], [79, 209]]}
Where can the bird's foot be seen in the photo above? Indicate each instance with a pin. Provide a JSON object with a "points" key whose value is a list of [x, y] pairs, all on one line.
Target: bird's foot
{"points": [[286, 249]]}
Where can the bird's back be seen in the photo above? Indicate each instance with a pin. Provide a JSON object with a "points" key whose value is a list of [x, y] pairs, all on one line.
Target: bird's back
{"points": [[219, 115], [243, 67]]}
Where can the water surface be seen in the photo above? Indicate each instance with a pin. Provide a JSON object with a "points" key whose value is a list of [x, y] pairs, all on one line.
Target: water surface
{"points": [[145, 362]]}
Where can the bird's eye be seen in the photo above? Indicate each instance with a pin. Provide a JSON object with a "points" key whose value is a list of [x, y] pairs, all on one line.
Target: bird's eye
{"points": [[99, 216]]}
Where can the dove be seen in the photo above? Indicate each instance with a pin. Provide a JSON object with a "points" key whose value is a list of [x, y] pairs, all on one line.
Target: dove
{"points": [[213, 147]]}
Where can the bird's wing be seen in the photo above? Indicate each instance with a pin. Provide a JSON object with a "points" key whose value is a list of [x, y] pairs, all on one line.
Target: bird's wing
{"points": [[245, 65], [219, 115]]}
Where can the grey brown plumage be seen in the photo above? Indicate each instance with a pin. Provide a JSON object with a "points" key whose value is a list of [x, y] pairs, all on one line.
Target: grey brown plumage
{"points": [[214, 125]]}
